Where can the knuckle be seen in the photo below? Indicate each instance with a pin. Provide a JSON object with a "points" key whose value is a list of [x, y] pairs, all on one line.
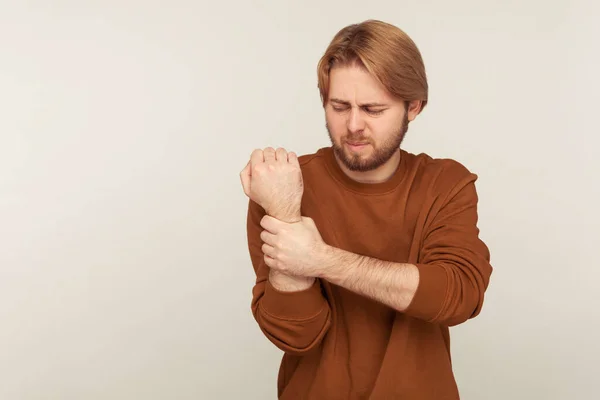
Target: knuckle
{"points": [[259, 168]]}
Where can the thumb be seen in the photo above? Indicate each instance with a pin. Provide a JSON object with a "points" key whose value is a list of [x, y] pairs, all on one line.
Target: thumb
{"points": [[309, 221], [245, 177], [310, 224]]}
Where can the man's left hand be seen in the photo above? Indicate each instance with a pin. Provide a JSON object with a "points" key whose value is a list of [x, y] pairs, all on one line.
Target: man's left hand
{"points": [[293, 248]]}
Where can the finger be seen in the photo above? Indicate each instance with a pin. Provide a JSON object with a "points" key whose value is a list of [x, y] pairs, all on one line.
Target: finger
{"points": [[245, 178], [281, 154], [292, 158], [270, 224], [268, 250], [269, 153], [256, 158], [270, 261], [268, 237]]}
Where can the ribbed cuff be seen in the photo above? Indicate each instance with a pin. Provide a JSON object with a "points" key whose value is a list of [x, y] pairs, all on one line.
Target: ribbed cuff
{"points": [[431, 293], [300, 305]]}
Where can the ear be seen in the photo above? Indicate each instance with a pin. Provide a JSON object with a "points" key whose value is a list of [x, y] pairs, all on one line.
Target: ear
{"points": [[413, 109]]}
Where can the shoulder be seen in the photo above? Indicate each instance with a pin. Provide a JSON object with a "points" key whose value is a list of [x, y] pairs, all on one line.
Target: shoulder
{"points": [[441, 175], [308, 160], [312, 164]]}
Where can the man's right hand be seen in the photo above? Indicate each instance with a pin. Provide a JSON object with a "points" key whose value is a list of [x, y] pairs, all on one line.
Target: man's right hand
{"points": [[273, 179]]}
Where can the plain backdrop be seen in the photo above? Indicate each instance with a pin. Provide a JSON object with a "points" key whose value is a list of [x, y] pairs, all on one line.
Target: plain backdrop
{"points": [[124, 271]]}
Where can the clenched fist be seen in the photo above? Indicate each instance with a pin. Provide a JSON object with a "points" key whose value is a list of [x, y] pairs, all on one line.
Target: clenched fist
{"points": [[273, 179]]}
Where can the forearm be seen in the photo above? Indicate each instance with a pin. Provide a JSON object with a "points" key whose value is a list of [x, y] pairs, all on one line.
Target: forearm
{"points": [[293, 319], [393, 284], [445, 291]]}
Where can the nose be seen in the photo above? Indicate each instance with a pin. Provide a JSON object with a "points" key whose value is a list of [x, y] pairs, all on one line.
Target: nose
{"points": [[356, 122]]}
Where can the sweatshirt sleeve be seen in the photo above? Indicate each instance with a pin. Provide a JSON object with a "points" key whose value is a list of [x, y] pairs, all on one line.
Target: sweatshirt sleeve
{"points": [[295, 322], [454, 263]]}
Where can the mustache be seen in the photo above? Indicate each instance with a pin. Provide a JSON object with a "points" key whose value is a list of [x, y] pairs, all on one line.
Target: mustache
{"points": [[356, 139], [350, 137]]}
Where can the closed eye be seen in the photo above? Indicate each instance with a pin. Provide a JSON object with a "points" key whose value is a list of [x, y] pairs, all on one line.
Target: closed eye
{"points": [[339, 109], [371, 110], [374, 111]]}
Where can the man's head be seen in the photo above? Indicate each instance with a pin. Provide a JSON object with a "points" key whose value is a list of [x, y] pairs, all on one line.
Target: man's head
{"points": [[372, 83]]}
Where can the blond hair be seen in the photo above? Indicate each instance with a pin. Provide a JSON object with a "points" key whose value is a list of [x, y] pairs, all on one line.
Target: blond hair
{"points": [[385, 51]]}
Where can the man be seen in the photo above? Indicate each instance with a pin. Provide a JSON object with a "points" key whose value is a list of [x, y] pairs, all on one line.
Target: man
{"points": [[365, 254]]}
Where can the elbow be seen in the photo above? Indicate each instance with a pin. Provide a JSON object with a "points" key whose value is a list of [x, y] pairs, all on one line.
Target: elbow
{"points": [[448, 293], [295, 322], [296, 348], [464, 304], [458, 318], [295, 337]]}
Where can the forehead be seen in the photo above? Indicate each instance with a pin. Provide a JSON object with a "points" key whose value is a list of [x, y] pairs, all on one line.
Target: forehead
{"points": [[355, 84]]}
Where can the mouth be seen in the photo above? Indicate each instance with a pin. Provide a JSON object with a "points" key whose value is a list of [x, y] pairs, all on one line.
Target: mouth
{"points": [[357, 145]]}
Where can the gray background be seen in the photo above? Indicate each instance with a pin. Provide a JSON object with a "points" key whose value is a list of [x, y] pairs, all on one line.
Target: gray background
{"points": [[124, 272]]}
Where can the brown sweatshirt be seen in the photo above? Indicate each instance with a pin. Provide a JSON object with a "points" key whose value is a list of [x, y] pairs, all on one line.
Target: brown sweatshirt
{"points": [[340, 345]]}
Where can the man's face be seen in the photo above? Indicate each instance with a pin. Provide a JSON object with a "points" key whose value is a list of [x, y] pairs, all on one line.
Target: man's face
{"points": [[365, 123]]}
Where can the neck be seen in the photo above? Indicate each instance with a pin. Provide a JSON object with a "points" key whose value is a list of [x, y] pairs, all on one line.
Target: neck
{"points": [[378, 175]]}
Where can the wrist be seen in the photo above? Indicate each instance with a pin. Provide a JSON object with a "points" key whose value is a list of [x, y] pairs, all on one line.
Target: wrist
{"points": [[289, 215], [325, 259], [289, 283], [336, 264]]}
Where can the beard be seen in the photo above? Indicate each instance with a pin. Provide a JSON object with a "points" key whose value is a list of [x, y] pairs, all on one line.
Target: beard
{"points": [[381, 153]]}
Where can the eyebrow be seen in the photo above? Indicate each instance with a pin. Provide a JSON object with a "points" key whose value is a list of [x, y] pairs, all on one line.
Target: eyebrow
{"points": [[334, 100]]}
